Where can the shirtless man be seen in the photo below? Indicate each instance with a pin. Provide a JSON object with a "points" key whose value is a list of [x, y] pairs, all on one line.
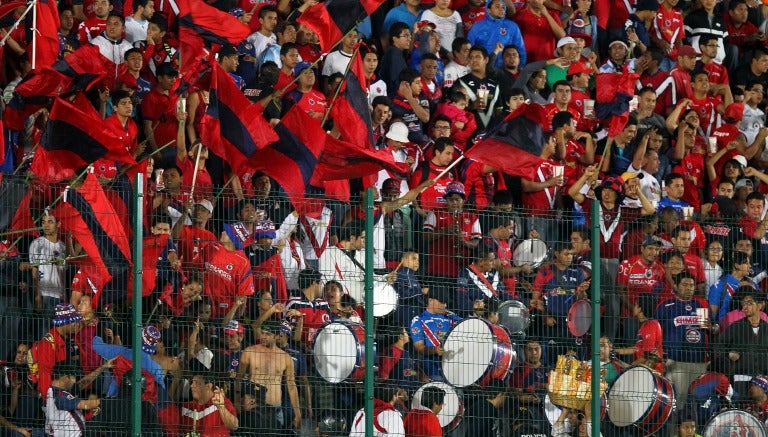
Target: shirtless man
{"points": [[266, 364]]}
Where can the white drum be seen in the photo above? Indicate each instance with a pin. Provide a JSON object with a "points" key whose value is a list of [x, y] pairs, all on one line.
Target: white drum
{"points": [[339, 351], [477, 351], [734, 423], [384, 299], [641, 398], [453, 408], [532, 252]]}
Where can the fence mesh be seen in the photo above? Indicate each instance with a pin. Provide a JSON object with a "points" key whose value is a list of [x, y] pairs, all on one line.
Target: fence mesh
{"points": [[254, 317]]}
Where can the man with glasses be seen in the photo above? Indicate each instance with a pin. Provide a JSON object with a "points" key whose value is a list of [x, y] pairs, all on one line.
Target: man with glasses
{"points": [[743, 346]]}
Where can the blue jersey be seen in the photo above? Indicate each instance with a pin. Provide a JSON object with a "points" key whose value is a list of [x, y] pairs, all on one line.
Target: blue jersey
{"points": [[684, 338], [721, 294], [558, 288], [432, 329]]}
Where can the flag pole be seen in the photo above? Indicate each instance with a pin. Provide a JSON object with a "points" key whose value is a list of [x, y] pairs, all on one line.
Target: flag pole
{"points": [[442, 173], [338, 88], [34, 34], [194, 175], [16, 24]]}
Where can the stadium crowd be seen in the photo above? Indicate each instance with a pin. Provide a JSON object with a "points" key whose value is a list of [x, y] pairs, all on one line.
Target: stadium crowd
{"points": [[241, 278]]}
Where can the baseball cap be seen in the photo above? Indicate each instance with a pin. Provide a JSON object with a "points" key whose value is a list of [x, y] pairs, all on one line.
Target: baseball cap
{"points": [[565, 40], [741, 159], [578, 67], [206, 204], [426, 23], [455, 188], [301, 66], [688, 51], [760, 381], [391, 184], [743, 182], [652, 240], [734, 111], [234, 328], [66, 314], [227, 50]]}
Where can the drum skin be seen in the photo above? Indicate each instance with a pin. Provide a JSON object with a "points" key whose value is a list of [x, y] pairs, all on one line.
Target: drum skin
{"points": [[384, 299], [641, 398], [339, 351], [580, 317], [532, 252], [453, 407], [734, 422], [477, 351], [514, 316]]}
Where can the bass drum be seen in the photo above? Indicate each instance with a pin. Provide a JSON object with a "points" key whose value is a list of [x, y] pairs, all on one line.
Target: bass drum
{"points": [[453, 407], [532, 252], [735, 423], [384, 299], [514, 316], [476, 352], [339, 351], [642, 398]]}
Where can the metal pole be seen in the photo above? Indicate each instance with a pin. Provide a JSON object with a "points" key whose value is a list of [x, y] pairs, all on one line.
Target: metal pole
{"points": [[595, 298], [34, 35], [369, 328], [138, 246]]}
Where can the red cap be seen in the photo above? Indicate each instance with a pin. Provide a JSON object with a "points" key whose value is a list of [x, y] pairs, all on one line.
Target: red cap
{"points": [[734, 111], [687, 51]]}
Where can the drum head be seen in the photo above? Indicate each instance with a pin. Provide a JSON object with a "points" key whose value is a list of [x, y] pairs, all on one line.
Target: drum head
{"points": [[734, 422], [468, 352], [631, 396], [514, 316], [453, 408], [551, 410], [580, 317], [384, 300], [532, 252], [335, 352]]}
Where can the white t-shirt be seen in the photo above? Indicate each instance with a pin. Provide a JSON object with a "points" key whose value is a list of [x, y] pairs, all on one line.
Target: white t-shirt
{"points": [[51, 276], [135, 30], [446, 26], [336, 62]]}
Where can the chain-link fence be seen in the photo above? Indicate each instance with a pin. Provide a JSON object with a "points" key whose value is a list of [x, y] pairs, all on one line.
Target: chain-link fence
{"points": [[253, 312]]}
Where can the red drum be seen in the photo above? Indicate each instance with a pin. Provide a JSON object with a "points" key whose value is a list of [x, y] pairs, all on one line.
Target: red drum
{"points": [[453, 406], [339, 351], [735, 422], [579, 319], [642, 398], [477, 351]]}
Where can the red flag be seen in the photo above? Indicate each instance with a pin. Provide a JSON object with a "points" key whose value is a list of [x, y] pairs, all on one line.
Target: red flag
{"points": [[350, 111], [46, 36], [291, 160], [614, 91], [200, 22], [233, 127], [122, 366], [89, 216], [332, 19], [80, 130], [514, 145], [55, 166], [343, 160]]}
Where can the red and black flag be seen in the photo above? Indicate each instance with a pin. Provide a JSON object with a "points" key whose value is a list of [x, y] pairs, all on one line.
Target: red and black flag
{"points": [[88, 215], [332, 19], [233, 127], [342, 160], [291, 160], [514, 146], [80, 130], [45, 33], [77, 72], [200, 23], [8, 13], [350, 111]]}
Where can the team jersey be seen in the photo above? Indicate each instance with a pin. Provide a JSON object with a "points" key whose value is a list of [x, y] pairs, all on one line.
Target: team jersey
{"points": [[447, 253], [668, 26], [639, 277], [62, 417], [721, 294], [542, 202], [432, 329], [316, 313], [191, 244], [227, 275], [649, 339], [692, 169], [684, 337], [558, 288], [205, 419], [612, 224]]}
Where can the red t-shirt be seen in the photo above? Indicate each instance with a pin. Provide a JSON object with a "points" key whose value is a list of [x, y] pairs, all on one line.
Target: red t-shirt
{"points": [[707, 110], [542, 202], [649, 340], [422, 422], [537, 34], [90, 28], [692, 169], [191, 244], [432, 197], [209, 421], [718, 74], [227, 275], [695, 266], [203, 184], [639, 277], [682, 84], [160, 109], [611, 232], [444, 259]]}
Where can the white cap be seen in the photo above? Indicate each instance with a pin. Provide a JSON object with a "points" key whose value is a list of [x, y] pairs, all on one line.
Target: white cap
{"points": [[398, 132], [206, 204], [741, 160]]}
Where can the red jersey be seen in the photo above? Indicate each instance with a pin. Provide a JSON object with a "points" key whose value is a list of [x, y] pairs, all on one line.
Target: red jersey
{"points": [[283, 80], [90, 29], [574, 150], [432, 197], [542, 202], [718, 74], [316, 313], [160, 109], [537, 34], [668, 26], [227, 275], [45, 353], [479, 185], [639, 277], [681, 81], [203, 184], [422, 422], [661, 82], [191, 244], [649, 340], [551, 109], [707, 110], [472, 16], [313, 101], [692, 169], [738, 35], [612, 224], [504, 255], [205, 419], [448, 256], [695, 266]]}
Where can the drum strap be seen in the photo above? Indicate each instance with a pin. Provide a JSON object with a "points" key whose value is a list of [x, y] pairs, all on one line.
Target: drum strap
{"points": [[319, 248], [484, 280]]}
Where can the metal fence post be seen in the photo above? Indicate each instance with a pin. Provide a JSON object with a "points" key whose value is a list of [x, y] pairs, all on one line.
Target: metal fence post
{"points": [[595, 298], [369, 323], [138, 246]]}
